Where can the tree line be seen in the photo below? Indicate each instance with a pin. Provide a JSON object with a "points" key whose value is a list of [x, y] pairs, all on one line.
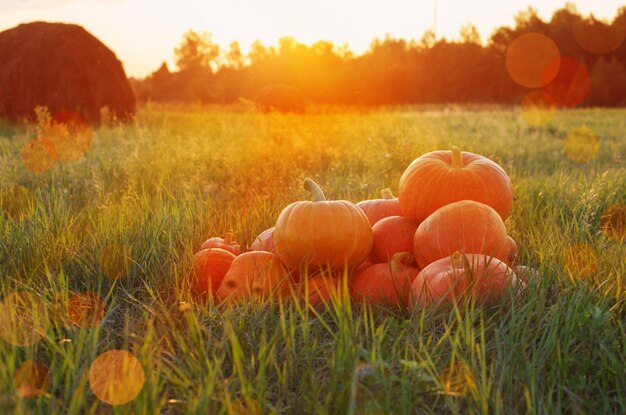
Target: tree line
{"points": [[392, 71]]}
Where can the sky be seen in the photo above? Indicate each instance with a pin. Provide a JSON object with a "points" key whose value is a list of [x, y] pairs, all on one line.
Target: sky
{"points": [[144, 33]]}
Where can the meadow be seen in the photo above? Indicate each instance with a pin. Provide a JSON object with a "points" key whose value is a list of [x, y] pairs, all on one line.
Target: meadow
{"points": [[157, 188]]}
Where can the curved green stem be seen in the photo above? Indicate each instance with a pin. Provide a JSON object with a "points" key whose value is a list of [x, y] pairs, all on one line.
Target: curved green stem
{"points": [[386, 193], [457, 157], [315, 189]]}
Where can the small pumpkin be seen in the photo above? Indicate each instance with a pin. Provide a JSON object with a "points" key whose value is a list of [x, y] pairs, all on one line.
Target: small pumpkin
{"points": [[512, 257], [387, 285], [322, 233], [461, 278], [376, 209], [209, 268], [256, 274], [440, 177], [265, 241], [319, 290], [225, 243], [466, 226], [392, 234]]}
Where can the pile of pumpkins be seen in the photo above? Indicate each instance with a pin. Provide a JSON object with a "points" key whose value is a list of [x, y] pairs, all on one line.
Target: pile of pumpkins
{"points": [[442, 240]]}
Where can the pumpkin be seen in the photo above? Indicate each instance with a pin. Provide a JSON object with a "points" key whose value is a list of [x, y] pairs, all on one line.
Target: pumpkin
{"points": [[255, 274], [265, 241], [320, 289], [441, 177], [466, 226], [322, 233], [387, 284], [376, 209], [225, 243], [461, 278], [209, 268], [392, 234], [512, 257]]}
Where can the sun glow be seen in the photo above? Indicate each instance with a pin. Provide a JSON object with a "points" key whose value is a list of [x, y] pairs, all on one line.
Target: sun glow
{"points": [[144, 33]]}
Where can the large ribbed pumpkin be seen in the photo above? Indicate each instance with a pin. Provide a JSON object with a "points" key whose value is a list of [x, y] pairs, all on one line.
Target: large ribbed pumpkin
{"points": [[466, 226], [322, 233], [442, 177]]}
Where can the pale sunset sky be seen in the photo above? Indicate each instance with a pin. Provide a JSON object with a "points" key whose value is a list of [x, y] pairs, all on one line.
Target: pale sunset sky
{"points": [[143, 33]]}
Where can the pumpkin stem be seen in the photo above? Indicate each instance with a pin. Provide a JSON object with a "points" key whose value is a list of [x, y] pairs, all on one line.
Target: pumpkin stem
{"points": [[228, 238], [457, 260], [457, 157], [315, 189], [386, 193], [398, 259]]}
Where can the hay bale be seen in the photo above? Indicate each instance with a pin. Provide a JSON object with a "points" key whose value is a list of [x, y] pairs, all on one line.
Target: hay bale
{"points": [[63, 67], [280, 97]]}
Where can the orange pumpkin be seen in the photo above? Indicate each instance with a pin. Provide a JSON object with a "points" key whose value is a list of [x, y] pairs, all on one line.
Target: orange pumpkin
{"points": [[442, 177], [320, 289], [466, 226], [512, 257], [255, 274], [387, 284], [225, 243], [392, 234], [322, 233], [209, 268], [376, 209], [461, 278], [265, 241]]}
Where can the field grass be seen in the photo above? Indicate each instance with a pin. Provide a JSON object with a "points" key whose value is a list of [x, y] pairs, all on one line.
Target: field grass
{"points": [[159, 187]]}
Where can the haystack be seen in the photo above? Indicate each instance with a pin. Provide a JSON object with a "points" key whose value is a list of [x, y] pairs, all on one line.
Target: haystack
{"points": [[63, 67]]}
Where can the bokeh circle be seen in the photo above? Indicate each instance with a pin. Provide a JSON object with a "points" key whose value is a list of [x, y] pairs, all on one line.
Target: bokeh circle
{"points": [[527, 57], [581, 144], [116, 377], [23, 319]]}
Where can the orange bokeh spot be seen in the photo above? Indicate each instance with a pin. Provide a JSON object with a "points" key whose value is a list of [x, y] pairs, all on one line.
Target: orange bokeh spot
{"points": [[23, 319], [572, 83], [580, 261], [116, 260], [39, 155], [613, 222], [31, 379], [527, 57], [116, 377], [86, 310], [17, 203], [70, 133], [581, 144], [598, 37], [537, 108]]}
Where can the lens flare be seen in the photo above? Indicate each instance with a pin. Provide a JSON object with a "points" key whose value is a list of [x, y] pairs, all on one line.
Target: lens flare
{"points": [[116, 377], [613, 222], [572, 83], [17, 203], [581, 144], [527, 58], [537, 108], [86, 310], [31, 379], [39, 155], [598, 37], [115, 260], [23, 319], [580, 261], [71, 135]]}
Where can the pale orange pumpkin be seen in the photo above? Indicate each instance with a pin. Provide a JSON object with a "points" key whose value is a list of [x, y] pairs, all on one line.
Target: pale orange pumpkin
{"points": [[466, 226], [377, 209], [387, 284], [256, 274], [322, 233], [319, 290], [264, 242], [441, 177], [392, 234], [225, 243], [461, 278]]}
